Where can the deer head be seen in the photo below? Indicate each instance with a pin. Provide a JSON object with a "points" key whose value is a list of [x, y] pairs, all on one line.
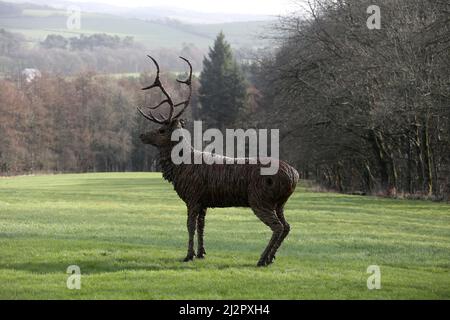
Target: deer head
{"points": [[162, 136]]}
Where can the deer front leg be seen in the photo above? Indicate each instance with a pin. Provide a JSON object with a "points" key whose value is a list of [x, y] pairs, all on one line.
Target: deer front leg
{"points": [[200, 230], [191, 224]]}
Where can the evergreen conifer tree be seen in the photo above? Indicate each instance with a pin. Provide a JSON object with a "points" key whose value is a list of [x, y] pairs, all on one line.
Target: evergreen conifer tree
{"points": [[222, 92]]}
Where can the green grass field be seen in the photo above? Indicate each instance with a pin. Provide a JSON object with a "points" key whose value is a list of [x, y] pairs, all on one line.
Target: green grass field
{"points": [[127, 234]]}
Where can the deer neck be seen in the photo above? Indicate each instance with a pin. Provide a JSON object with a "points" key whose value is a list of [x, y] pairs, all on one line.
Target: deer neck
{"points": [[170, 171]]}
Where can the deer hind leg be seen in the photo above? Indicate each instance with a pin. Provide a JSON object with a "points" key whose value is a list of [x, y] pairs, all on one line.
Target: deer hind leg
{"points": [[191, 224], [200, 231], [270, 218], [287, 228]]}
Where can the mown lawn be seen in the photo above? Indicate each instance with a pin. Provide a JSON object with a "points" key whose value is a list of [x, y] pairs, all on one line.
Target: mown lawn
{"points": [[127, 234]]}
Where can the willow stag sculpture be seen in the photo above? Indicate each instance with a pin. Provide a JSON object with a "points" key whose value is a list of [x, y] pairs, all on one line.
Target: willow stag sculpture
{"points": [[203, 186]]}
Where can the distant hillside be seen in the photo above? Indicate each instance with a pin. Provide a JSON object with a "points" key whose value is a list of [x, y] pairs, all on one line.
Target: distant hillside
{"points": [[36, 22], [150, 12]]}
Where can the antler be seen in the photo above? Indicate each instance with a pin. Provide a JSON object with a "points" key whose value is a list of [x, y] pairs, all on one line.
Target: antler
{"points": [[187, 82], [157, 84]]}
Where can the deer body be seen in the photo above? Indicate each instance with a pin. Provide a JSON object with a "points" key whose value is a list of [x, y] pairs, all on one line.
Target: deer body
{"points": [[220, 185], [227, 185]]}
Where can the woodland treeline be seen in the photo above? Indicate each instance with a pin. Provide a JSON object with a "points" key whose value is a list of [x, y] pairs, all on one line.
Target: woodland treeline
{"points": [[99, 53], [359, 110], [87, 123], [364, 110]]}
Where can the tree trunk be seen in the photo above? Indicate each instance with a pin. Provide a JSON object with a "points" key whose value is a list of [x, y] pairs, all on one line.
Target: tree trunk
{"points": [[427, 159], [388, 174]]}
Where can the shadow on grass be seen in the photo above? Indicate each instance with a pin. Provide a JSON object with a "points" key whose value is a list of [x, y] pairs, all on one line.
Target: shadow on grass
{"points": [[97, 267]]}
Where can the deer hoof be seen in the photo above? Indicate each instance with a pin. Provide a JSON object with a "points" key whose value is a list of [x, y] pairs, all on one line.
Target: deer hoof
{"points": [[270, 260], [189, 258], [262, 263], [201, 254]]}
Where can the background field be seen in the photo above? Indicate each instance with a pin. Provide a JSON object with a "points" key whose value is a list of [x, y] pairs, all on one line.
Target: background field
{"points": [[36, 24], [127, 233]]}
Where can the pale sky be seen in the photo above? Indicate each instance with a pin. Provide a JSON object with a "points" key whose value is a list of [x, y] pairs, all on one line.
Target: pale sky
{"points": [[265, 7]]}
